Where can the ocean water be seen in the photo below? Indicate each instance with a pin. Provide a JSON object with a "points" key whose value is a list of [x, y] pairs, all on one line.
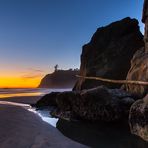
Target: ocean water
{"points": [[95, 135], [5, 93]]}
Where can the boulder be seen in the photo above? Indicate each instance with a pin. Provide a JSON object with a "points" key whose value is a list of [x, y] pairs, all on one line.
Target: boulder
{"points": [[64, 108], [138, 72], [97, 104], [138, 118], [109, 53], [47, 100], [65, 99], [103, 104]]}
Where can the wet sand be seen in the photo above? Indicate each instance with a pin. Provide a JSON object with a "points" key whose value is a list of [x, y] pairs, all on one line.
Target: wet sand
{"points": [[20, 128]]}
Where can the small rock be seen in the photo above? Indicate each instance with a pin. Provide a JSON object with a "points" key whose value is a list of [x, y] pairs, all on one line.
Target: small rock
{"points": [[47, 100], [138, 118]]}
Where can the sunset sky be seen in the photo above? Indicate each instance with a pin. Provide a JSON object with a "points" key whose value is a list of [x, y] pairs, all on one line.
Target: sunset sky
{"points": [[37, 34]]}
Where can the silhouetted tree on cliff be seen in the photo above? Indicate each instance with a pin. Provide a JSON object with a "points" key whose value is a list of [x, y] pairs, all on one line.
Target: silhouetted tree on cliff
{"points": [[56, 67]]}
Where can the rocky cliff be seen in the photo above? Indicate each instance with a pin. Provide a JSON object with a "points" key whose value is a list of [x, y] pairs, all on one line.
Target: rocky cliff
{"points": [[109, 52], [138, 72], [138, 116], [59, 79]]}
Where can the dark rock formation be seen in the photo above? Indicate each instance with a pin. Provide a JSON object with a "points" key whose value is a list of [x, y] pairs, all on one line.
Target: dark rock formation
{"points": [[109, 52], [100, 135], [145, 11], [65, 101], [139, 63], [145, 21], [138, 72], [97, 104], [138, 118], [101, 104], [60, 79], [47, 100]]}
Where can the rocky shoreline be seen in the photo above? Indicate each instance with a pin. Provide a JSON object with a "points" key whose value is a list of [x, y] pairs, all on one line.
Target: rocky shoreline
{"points": [[118, 52], [97, 104]]}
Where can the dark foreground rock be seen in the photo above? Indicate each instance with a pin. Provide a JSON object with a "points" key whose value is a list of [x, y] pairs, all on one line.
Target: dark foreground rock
{"points": [[138, 118], [109, 53], [47, 100], [101, 135], [97, 104], [138, 72]]}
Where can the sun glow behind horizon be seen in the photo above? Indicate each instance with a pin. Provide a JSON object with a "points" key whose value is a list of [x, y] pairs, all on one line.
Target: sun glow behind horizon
{"points": [[31, 38], [19, 82], [23, 77]]}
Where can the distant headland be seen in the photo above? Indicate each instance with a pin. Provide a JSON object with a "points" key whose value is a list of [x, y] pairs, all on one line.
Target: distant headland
{"points": [[59, 79]]}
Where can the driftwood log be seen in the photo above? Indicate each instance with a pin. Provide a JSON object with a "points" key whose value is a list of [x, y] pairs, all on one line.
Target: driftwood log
{"points": [[134, 82]]}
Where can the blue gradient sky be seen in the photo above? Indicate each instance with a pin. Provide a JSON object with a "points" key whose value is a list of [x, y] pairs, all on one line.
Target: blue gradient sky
{"points": [[37, 34]]}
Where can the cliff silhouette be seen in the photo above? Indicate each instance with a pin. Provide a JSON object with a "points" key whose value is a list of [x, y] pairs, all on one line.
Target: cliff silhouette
{"points": [[59, 79]]}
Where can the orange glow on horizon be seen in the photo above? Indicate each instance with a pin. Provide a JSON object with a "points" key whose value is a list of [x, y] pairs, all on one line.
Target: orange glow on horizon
{"points": [[19, 82]]}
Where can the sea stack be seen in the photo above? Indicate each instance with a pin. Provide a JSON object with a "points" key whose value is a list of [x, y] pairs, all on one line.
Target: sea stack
{"points": [[109, 52]]}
